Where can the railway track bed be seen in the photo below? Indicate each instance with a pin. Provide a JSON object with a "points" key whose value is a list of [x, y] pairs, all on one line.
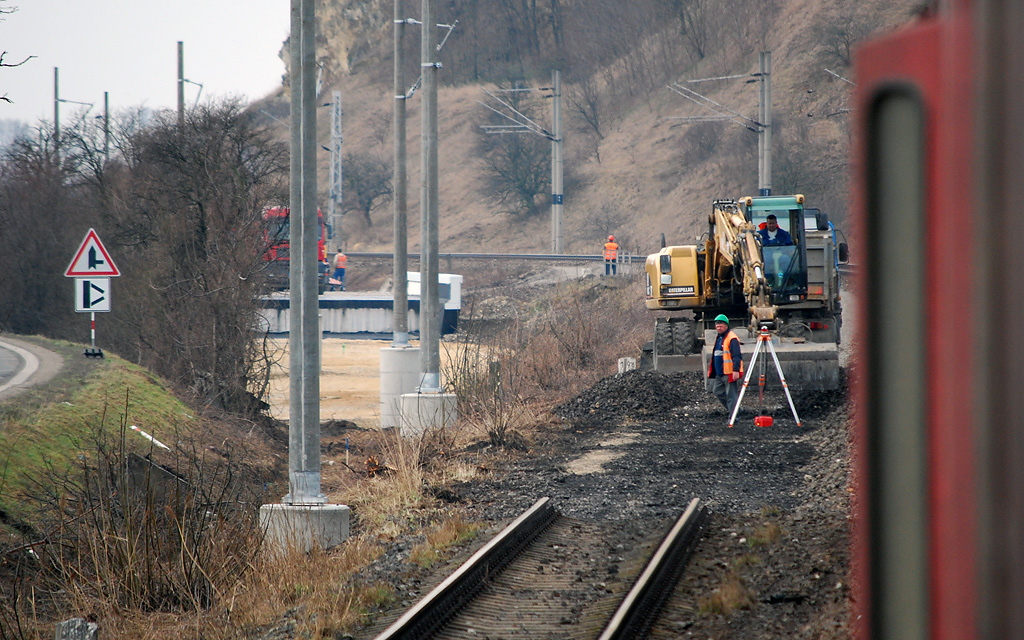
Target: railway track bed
{"points": [[778, 535], [568, 579]]}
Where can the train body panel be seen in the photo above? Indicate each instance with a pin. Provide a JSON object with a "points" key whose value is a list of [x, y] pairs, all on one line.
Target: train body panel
{"points": [[923, 561]]}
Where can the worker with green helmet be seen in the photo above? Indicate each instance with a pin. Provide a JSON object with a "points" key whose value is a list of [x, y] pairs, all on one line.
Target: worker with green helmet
{"points": [[726, 366]]}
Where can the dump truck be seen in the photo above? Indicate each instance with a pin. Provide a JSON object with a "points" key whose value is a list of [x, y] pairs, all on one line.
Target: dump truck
{"points": [[793, 290]]}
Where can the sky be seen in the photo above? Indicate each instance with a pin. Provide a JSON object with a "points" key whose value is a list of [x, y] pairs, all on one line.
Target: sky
{"points": [[129, 48]]}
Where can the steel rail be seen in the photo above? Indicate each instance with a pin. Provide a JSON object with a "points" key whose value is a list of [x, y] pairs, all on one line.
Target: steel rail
{"points": [[549, 257], [641, 605], [434, 610]]}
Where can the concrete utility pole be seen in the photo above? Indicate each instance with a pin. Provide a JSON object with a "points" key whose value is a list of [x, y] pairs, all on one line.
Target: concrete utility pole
{"points": [[106, 126], [556, 162], [304, 441], [428, 407], [303, 519], [399, 187], [181, 83], [762, 126], [764, 139], [400, 368], [430, 328], [523, 124], [334, 212], [56, 109]]}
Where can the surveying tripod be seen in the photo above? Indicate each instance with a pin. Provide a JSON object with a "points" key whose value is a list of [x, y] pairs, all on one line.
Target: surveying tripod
{"points": [[763, 339]]}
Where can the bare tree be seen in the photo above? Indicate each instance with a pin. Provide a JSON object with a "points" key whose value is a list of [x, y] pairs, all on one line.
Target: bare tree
{"points": [[380, 127], [6, 11], [608, 219], [519, 163], [367, 184], [700, 141], [844, 26], [587, 107], [519, 171], [186, 213], [39, 215], [696, 19]]}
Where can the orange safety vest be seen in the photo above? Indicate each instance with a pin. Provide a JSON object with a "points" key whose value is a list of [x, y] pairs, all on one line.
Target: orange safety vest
{"points": [[727, 366], [611, 250], [340, 261]]}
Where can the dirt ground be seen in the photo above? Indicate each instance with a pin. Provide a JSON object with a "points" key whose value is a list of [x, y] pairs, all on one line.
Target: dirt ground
{"points": [[349, 382]]}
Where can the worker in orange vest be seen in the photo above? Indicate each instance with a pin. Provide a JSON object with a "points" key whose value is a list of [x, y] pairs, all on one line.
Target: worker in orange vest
{"points": [[726, 366], [338, 279], [611, 255]]}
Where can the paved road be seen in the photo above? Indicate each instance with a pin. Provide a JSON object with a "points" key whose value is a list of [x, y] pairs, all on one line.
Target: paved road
{"points": [[23, 364]]}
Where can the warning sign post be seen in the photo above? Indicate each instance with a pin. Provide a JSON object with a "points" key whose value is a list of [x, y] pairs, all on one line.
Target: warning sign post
{"points": [[92, 268], [92, 260]]}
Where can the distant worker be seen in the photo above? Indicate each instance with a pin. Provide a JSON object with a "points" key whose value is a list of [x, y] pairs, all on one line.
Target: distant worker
{"points": [[726, 367], [338, 279], [774, 236], [611, 255]]}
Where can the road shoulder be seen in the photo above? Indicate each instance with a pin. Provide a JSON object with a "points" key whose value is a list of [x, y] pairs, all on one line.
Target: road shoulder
{"points": [[47, 364]]}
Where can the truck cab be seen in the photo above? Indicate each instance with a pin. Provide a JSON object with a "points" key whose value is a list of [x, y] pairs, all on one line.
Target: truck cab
{"points": [[277, 249]]}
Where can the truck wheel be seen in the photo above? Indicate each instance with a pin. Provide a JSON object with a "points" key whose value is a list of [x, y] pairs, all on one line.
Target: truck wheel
{"points": [[683, 340], [663, 339]]}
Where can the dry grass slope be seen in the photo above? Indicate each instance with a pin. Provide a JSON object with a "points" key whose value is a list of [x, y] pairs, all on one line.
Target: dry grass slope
{"points": [[650, 173]]}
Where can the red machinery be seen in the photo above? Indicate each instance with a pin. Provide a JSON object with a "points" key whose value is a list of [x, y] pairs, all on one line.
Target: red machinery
{"points": [[277, 253]]}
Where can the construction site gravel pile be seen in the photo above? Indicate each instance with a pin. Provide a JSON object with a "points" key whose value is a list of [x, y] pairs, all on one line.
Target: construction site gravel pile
{"points": [[633, 450]]}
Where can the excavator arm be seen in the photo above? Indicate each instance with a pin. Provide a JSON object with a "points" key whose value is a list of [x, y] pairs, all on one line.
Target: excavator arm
{"points": [[734, 253]]}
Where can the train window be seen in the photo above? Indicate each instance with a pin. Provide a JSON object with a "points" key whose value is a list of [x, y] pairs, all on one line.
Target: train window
{"points": [[898, 494]]}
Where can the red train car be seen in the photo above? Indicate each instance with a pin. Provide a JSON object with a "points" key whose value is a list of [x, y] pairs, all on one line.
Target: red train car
{"points": [[939, 437]]}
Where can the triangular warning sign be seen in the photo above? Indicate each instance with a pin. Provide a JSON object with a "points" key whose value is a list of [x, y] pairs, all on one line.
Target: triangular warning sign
{"points": [[91, 259]]}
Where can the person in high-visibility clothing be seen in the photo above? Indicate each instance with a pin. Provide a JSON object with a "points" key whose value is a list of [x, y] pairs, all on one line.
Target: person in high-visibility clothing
{"points": [[611, 255], [340, 262], [726, 367]]}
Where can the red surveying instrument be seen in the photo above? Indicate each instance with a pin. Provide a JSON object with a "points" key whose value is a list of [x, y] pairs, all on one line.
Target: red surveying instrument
{"points": [[763, 338]]}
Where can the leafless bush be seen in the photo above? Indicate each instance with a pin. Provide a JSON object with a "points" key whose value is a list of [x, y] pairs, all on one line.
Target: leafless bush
{"points": [[571, 339], [700, 141], [123, 535], [485, 374], [187, 220]]}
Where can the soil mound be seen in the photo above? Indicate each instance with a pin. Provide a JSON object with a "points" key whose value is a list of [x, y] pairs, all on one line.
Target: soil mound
{"points": [[637, 396]]}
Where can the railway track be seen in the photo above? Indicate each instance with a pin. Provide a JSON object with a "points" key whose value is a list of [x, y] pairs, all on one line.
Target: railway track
{"points": [[542, 577]]}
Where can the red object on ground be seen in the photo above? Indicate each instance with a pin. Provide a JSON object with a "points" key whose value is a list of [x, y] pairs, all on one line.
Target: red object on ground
{"points": [[763, 421]]}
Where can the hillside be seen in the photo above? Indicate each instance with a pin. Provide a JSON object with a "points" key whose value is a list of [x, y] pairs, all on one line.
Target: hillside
{"points": [[643, 172]]}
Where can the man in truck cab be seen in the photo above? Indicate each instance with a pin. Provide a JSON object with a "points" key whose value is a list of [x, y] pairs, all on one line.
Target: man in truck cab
{"points": [[772, 235], [726, 366]]}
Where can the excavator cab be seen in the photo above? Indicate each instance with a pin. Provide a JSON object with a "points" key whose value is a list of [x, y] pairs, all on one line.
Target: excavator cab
{"points": [[785, 265]]}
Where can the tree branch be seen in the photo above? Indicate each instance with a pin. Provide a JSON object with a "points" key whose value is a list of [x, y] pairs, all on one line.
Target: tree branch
{"points": [[17, 64]]}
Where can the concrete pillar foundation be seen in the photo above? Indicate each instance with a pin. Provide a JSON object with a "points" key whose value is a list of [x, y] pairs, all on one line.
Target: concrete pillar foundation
{"points": [[303, 526], [399, 375], [424, 411]]}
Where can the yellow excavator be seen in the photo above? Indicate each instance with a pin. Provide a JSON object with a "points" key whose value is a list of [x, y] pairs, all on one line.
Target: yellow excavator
{"points": [[792, 288]]}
